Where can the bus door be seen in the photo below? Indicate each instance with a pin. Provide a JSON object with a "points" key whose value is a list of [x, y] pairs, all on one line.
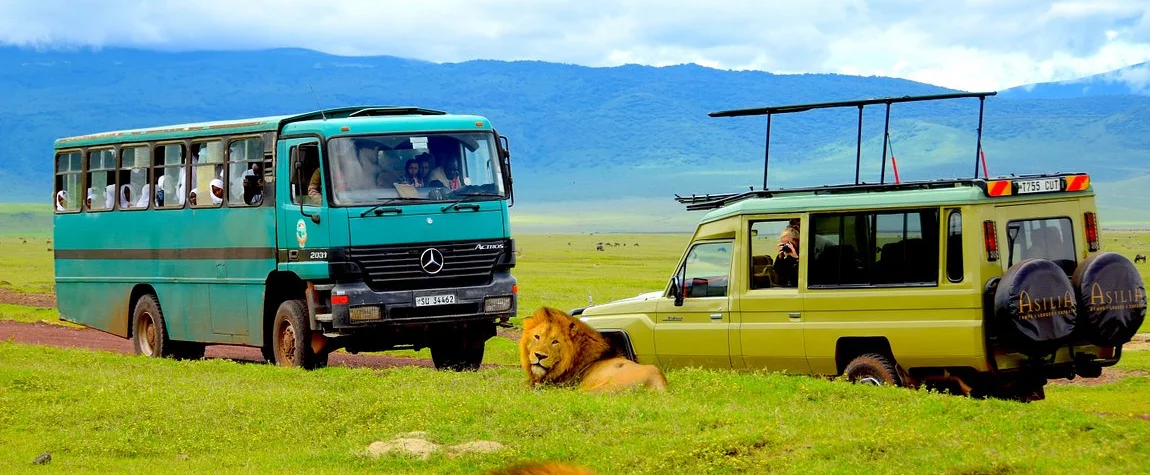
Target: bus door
{"points": [[303, 239]]}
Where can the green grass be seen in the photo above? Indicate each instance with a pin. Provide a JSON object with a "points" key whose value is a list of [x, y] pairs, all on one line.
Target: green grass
{"points": [[101, 412], [27, 264], [20, 313]]}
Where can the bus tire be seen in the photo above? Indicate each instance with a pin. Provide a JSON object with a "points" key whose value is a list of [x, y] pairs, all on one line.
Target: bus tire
{"points": [[291, 337], [461, 353], [872, 368], [149, 334]]}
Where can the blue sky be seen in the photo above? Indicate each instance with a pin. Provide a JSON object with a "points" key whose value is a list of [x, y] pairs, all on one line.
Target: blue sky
{"points": [[964, 44]]}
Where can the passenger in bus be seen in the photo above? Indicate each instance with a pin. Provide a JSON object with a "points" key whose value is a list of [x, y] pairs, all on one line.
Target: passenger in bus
{"points": [[125, 196], [253, 184], [145, 196], [61, 200], [88, 199], [109, 196], [161, 183], [217, 191], [424, 160], [786, 265], [313, 188], [411, 174], [192, 197]]}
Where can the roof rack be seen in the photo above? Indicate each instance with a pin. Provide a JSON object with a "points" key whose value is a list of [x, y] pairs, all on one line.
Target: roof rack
{"points": [[706, 201], [395, 110]]}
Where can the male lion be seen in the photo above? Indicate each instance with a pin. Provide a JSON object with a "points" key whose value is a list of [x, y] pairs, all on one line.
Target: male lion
{"points": [[559, 349]]}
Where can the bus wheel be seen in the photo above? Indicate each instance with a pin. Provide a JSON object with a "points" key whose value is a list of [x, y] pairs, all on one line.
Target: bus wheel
{"points": [[291, 338], [461, 353], [149, 336]]}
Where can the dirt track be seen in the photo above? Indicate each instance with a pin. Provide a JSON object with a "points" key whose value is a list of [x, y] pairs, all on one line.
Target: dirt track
{"points": [[63, 337]]}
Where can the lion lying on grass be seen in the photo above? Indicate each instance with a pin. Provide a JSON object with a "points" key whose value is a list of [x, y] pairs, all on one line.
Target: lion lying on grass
{"points": [[559, 349]]}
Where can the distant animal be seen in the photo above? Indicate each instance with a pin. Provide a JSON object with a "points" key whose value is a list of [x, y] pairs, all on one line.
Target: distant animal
{"points": [[1140, 258], [599, 247], [561, 350]]}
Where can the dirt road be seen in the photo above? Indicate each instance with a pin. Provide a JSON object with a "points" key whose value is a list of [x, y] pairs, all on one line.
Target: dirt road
{"points": [[63, 337]]}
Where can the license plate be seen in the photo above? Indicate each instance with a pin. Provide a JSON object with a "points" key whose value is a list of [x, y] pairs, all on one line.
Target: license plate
{"points": [[434, 300], [1039, 186]]}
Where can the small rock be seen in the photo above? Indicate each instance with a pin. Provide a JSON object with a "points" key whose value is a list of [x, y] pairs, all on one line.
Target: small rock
{"points": [[43, 459], [476, 447], [418, 447]]}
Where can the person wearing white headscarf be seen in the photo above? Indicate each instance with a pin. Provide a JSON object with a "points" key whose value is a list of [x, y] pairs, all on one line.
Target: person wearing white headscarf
{"points": [[145, 196], [192, 196], [109, 196], [91, 196], [161, 183], [61, 200], [217, 191], [125, 197]]}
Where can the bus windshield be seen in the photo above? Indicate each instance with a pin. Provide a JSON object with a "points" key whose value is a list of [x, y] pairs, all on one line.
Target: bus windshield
{"points": [[371, 169]]}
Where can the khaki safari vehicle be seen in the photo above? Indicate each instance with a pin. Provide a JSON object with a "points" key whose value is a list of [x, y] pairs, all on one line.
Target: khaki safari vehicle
{"points": [[984, 287]]}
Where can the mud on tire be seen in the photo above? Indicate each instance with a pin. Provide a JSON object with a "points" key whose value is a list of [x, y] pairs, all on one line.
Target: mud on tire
{"points": [[1111, 299], [291, 337], [1035, 308], [149, 333]]}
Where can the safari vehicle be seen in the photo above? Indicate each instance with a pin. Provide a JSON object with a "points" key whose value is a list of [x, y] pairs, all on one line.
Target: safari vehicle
{"points": [[979, 286], [367, 228]]}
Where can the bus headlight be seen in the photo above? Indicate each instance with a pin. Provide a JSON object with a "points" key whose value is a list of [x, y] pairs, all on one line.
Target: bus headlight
{"points": [[496, 304]]}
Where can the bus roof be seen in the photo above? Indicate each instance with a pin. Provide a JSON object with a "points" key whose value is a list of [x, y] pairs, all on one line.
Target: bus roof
{"points": [[328, 122]]}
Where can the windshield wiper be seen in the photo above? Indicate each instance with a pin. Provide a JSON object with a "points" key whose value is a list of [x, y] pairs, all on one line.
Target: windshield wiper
{"points": [[466, 197], [378, 209]]}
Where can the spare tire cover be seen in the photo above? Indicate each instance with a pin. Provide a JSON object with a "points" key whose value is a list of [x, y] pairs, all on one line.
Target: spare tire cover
{"points": [[1035, 307], [1111, 299]]}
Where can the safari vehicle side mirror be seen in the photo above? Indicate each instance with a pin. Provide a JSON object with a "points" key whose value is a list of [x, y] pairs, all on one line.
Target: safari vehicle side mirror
{"points": [[677, 290], [298, 182]]}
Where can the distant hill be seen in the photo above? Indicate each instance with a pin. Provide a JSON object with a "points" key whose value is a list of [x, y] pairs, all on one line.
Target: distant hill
{"points": [[1131, 80], [577, 133]]}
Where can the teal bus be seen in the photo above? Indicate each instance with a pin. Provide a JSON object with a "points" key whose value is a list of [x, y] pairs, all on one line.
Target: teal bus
{"points": [[364, 228]]}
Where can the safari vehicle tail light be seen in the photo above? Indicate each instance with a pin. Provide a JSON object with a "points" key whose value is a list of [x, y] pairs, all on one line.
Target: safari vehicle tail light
{"points": [[1091, 231], [990, 237]]}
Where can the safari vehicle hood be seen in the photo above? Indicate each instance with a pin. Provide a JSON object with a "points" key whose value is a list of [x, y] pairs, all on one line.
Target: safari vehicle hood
{"points": [[641, 303], [419, 223]]}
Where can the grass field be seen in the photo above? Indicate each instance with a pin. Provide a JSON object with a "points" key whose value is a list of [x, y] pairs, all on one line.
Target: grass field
{"points": [[100, 412]]}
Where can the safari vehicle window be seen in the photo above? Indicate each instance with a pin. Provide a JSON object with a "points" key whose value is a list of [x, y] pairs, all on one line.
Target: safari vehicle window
{"points": [[1051, 239], [707, 270], [369, 170], [874, 249], [768, 267], [954, 270]]}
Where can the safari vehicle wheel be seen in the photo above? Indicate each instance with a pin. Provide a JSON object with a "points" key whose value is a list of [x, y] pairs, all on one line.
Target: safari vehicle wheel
{"points": [[872, 368], [291, 338], [149, 336], [458, 353]]}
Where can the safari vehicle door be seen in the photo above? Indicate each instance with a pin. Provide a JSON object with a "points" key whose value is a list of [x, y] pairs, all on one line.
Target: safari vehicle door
{"points": [[691, 327], [767, 331]]}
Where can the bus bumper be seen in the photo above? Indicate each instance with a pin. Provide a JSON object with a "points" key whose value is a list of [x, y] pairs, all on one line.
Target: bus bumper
{"points": [[367, 308]]}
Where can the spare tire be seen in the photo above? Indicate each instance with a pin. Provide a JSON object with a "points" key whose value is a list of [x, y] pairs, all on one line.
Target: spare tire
{"points": [[1111, 299], [1035, 308]]}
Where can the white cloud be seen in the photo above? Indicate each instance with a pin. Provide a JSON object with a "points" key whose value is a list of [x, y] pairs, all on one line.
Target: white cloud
{"points": [[963, 44]]}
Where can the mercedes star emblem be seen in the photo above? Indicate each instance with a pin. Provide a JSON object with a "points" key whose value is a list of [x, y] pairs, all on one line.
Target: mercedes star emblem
{"points": [[431, 261]]}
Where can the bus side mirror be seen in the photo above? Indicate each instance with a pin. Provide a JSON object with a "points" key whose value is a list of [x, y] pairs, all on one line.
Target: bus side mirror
{"points": [[505, 159]]}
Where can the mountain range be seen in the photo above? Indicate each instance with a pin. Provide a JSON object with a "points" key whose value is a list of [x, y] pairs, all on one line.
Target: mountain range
{"points": [[583, 134]]}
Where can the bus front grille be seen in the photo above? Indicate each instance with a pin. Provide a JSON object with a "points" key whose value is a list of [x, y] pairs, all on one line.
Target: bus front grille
{"points": [[437, 265]]}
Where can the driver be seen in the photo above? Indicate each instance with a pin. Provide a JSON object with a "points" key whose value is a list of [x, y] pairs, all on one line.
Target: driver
{"points": [[451, 176]]}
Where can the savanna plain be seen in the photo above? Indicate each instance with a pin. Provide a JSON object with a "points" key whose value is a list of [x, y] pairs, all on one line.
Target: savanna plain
{"points": [[97, 411]]}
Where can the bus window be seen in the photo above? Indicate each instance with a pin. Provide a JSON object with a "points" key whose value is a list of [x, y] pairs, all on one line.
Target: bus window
{"points": [[245, 171], [101, 180], [208, 185], [170, 183], [68, 168], [135, 187], [307, 187]]}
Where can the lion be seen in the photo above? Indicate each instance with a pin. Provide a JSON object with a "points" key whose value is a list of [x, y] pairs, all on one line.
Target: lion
{"points": [[541, 468], [559, 349]]}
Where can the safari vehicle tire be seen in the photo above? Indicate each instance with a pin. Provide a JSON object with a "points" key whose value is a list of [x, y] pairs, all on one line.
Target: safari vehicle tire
{"points": [[872, 368], [149, 333], [291, 337], [1111, 299], [459, 353], [1034, 307]]}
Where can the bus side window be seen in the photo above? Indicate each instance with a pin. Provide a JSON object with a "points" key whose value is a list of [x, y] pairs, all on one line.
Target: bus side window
{"points": [[307, 188], [208, 187]]}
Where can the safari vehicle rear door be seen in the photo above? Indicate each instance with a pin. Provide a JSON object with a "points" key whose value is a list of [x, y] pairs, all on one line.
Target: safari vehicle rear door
{"points": [[691, 327]]}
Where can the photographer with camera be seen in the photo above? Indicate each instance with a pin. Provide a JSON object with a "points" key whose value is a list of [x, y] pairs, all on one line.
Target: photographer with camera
{"points": [[786, 267]]}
